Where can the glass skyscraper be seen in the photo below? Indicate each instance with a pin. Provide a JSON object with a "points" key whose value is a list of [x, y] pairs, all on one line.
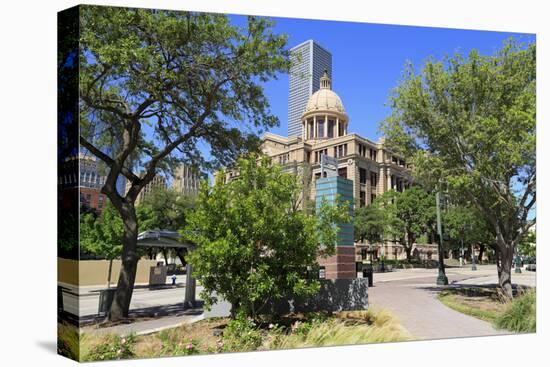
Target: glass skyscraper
{"points": [[309, 61]]}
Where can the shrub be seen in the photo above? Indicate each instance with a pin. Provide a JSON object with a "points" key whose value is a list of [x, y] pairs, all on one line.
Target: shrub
{"points": [[173, 344], [241, 334], [366, 327], [520, 315], [68, 341], [112, 347]]}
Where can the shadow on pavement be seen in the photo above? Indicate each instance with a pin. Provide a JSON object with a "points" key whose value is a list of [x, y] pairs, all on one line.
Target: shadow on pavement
{"points": [[140, 314]]}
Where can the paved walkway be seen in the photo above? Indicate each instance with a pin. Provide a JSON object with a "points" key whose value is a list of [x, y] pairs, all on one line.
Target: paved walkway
{"points": [[411, 296]]}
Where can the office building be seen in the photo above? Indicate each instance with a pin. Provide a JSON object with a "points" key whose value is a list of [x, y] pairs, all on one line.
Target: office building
{"points": [[309, 61]]}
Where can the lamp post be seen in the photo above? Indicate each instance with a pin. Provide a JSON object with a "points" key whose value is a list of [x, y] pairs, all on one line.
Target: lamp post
{"points": [[441, 278]]}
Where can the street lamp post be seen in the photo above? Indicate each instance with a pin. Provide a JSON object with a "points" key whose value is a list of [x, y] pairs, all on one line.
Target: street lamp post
{"points": [[441, 278]]}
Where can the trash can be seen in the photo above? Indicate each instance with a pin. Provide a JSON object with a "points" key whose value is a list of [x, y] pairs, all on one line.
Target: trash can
{"points": [[368, 273], [106, 297]]}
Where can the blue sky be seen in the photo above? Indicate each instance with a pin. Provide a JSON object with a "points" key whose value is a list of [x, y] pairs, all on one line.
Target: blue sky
{"points": [[368, 60]]}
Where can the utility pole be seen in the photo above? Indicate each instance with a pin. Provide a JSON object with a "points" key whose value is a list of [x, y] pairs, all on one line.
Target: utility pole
{"points": [[441, 278]]}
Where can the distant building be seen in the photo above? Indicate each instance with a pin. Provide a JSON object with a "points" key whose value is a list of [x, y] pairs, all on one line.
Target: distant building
{"points": [[309, 60], [186, 180], [158, 182], [88, 182], [371, 166]]}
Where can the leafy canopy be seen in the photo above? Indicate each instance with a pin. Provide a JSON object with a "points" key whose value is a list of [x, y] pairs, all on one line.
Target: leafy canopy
{"points": [[101, 234], [254, 242], [164, 209], [470, 123], [156, 86], [406, 214], [369, 224], [465, 223]]}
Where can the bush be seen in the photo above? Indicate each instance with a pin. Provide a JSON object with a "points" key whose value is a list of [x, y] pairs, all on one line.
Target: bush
{"points": [[174, 345], [241, 334], [112, 347], [354, 327], [68, 341], [520, 315]]}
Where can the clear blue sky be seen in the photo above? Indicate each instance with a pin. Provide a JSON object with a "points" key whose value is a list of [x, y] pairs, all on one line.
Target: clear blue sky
{"points": [[368, 60]]}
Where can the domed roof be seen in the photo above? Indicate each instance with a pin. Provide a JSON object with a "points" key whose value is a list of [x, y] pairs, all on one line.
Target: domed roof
{"points": [[325, 99]]}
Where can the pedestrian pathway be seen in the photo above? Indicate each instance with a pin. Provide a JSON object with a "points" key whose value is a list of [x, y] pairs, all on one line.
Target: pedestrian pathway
{"points": [[414, 302]]}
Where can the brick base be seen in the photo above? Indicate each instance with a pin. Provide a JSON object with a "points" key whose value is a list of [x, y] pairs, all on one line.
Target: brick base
{"points": [[341, 265]]}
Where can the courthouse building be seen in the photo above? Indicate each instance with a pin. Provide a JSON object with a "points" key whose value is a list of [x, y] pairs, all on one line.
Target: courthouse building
{"points": [[371, 166]]}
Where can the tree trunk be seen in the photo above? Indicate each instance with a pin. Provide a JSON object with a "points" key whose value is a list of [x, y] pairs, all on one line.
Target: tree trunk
{"points": [[127, 277], [110, 273], [505, 270], [408, 251], [181, 255], [409, 245], [165, 254], [480, 256]]}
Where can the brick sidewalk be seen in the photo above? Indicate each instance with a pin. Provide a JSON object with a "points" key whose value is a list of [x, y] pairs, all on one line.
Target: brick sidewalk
{"points": [[414, 302]]}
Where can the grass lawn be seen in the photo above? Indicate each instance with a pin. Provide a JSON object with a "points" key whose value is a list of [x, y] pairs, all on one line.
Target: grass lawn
{"points": [[219, 335], [487, 304]]}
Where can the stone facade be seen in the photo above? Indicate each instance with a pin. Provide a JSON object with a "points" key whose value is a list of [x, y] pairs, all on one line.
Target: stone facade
{"points": [[371, 166]]}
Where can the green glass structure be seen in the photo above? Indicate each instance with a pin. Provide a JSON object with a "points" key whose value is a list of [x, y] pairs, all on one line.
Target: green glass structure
{"points": [[331, 188]]}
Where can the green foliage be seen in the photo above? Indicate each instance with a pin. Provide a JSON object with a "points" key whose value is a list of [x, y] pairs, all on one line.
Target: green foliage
{"points": [[369, 224], [521, 314], [113, 347], [102, 235], [253, 242], [164, 209], [68, 341], [468, 224], [470, 122], [449, 299], [528, 245], [174, 345], [241, 335], [169, 80], [406, 215], [363, 327]]}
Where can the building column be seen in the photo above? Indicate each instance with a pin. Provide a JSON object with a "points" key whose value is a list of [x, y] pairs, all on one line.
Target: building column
{"points": [[381, 181], [325, 127], [337, 134], [315, 127]]}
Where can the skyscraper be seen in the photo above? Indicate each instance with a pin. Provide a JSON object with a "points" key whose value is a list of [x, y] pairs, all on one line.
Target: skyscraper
{"points": [[309, 61], [186, 180]]}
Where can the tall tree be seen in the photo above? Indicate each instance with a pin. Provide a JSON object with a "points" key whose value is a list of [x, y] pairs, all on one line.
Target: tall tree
{"points": [[407, 215], [369, 224], [253, 242], [469, 123], [465, 225], [157, 85]]}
